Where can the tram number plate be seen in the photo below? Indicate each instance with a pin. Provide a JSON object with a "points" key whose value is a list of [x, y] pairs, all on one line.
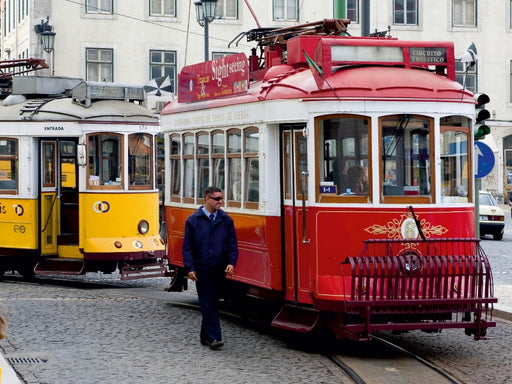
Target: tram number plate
{"points": [[327, 189], [483, 218]]}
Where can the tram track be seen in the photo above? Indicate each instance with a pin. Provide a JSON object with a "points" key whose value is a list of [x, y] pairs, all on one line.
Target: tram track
{"points": [[384, 361], [362, 363]]}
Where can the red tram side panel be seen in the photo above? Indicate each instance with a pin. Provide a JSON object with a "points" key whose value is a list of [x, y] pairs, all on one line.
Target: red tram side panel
{"points": [[393, 252]]}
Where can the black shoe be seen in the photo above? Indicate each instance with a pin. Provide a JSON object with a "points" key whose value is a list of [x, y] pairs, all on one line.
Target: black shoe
{"points": [[205, 342], [215, 344]]}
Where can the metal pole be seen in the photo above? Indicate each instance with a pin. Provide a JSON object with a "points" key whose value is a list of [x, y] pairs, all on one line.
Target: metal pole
{"points": [[205, 39], [478, 185], [340, 10], [252, 13], [365, 18]]}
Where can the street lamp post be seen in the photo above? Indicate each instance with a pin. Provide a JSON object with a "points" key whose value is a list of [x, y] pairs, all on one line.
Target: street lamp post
{"points": [[45, 30], [205, 14]]}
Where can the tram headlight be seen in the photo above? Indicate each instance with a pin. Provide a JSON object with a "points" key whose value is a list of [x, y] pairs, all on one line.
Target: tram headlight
{"points": [[143, 227]]}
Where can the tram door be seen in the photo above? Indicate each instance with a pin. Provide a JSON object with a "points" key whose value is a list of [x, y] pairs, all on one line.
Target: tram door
{"points": [[294, 163], [59, 195]]}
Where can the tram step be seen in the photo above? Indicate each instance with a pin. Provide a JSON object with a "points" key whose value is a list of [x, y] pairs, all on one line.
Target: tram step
{"points": [[59, 266], [297, 319], [143, 270]]}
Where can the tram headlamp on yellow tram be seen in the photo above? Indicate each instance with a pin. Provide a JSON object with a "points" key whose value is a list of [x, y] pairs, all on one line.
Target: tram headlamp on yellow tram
{"points": [[143, 227]]}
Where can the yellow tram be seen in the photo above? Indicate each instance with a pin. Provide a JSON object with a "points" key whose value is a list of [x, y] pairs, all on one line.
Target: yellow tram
{"points": [[78, 189]]}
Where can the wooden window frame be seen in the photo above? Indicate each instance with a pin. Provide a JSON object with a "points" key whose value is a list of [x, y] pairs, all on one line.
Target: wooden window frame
{"points": [[234, 155], [327, 197], [188, 156], [467, 131], [176, 157], [122, 160], [409, 199], [246, 156]]}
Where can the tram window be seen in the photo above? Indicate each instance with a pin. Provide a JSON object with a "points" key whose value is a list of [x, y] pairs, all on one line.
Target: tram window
{"points": [[406, 148], [140, 155], [8, 165], [48, 164], [218, 148], [160, 164], [188, 165], [235, 179], [287, 174], [203, 163], [235, 167], [301, 146], [252, 168], [343, 158], [105, 160], [175, 155], [67, 164], [454, 159], [252, 177]]}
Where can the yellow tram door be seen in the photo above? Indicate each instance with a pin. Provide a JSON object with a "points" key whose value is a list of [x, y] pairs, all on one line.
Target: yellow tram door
{"points": [[59, 198], [49, 206]]}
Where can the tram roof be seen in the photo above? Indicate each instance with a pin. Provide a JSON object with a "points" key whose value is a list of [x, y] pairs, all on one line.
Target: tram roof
{"points": [[42, 98], [64, 109], [327, 68], [344, 84]]}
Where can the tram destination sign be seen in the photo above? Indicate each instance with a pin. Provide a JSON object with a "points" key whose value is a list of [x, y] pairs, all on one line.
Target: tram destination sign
{"points": [[223, 77], [427, 55]]}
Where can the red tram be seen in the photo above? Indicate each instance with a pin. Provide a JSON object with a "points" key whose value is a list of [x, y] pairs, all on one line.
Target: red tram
{"points": [[347, 166]]}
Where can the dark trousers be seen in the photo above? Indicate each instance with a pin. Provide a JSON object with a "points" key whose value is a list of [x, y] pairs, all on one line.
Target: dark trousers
{"points": [[209, 283]]}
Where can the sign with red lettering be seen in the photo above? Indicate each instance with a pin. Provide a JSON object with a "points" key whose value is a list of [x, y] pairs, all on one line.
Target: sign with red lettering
{"points": [[222, 77]]}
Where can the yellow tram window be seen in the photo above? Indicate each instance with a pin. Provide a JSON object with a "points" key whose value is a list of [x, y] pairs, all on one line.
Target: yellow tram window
{"points": [[49, 164], [105, 160], [68, 164], [8, 164], [140, 149]]}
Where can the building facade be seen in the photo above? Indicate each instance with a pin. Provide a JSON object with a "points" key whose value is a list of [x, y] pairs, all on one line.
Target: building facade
{"points": [[134, 41]]}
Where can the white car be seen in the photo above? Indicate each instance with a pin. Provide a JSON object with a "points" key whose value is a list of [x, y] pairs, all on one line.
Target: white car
{"points": [[492, 219]]}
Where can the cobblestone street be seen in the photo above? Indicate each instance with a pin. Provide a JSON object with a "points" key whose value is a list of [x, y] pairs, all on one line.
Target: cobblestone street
{"points": [[70, 335], [133, 333]]}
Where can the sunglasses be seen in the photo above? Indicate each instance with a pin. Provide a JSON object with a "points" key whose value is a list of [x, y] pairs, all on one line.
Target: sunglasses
{"points": [[218, 198]]}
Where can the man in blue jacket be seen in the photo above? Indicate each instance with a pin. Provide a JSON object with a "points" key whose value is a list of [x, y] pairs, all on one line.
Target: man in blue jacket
{"points": [[210, 252]]}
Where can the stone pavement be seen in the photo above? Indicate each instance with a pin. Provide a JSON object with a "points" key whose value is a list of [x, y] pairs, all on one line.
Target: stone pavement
{"points": [[116, 336], [503, 309]]}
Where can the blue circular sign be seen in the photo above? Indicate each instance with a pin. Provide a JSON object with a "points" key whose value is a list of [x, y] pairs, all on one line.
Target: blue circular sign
{"points": [[484, 160]]}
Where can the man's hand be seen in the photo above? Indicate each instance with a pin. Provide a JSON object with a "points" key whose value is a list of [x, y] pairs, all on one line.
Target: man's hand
{"points": [[230, 269], [192, 275]]}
